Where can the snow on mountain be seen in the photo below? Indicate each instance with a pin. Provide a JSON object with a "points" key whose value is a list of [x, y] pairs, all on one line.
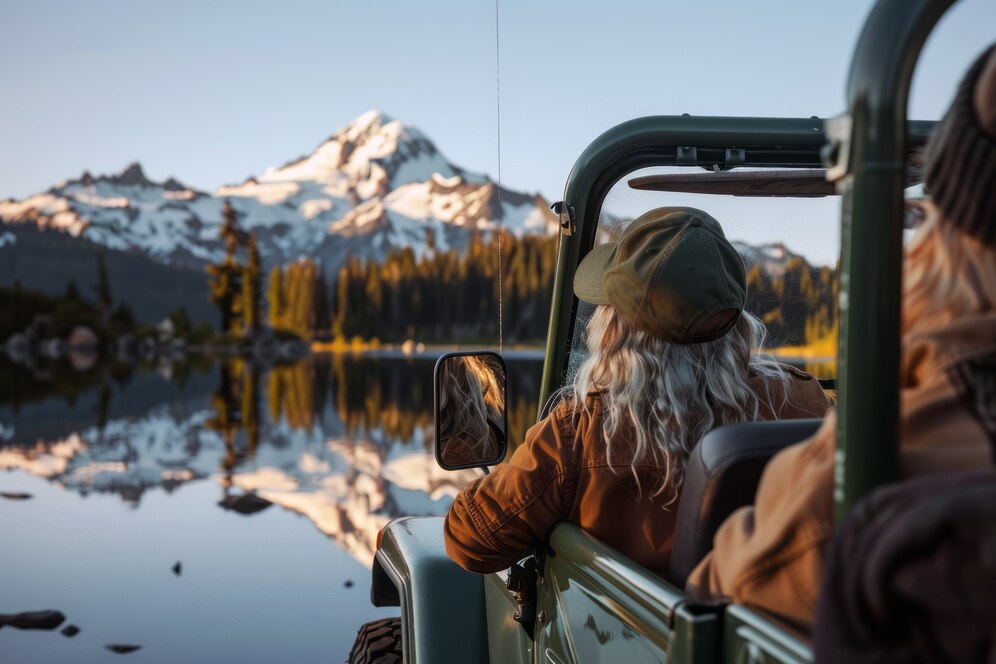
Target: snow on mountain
{"points": [[374, 185], [349, 488], [773, 257]]}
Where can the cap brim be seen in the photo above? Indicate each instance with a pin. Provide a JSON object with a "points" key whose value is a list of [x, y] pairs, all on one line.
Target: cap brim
{"points": [[589, 279]]}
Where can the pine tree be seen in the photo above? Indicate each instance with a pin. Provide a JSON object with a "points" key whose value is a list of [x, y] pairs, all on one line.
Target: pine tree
{"points": [[225, 282], [124, 316], [72, 292], [104, 299], [323, 310], [340, 324], [229, 230], [277, 298], [181, 323], [251, 289], [226, 277]]}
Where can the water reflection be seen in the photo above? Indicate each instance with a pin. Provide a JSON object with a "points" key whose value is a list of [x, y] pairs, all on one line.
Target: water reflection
{"points": [[343, 440]]}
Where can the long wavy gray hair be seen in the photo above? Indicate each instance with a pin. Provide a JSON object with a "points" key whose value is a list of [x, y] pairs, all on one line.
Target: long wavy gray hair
{"points": [[470, 397], [670, 395]]}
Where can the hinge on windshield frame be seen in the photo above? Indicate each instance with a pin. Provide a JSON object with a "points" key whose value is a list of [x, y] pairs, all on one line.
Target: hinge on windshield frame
{"points": [[565, 212], [836, 153], [734, 157]]}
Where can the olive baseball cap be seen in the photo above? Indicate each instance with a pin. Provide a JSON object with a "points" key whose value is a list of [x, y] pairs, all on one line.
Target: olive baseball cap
{"points": [[672, 274]]}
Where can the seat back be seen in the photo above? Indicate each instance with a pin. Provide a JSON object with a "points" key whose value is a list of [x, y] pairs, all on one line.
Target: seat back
{"points": [[722, 476]]}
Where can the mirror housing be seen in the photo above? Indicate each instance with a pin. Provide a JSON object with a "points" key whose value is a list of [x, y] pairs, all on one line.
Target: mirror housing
{"points": [[470, 397]]}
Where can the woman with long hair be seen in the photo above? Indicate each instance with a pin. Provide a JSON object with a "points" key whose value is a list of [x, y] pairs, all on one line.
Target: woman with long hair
{"points": [[771, 555], [671, 356]]}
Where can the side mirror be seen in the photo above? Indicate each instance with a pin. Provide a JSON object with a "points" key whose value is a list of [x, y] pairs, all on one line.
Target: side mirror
{"points": [[471, 422]]}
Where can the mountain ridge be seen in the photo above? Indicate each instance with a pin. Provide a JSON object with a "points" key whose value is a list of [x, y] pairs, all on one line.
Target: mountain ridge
{"points": [[307, 206], [373, 186]]}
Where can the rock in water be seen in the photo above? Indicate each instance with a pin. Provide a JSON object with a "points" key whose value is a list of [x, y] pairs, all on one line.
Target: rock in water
{"points": [[177, 568], [69, 631], [348, 583], [122, 648], [33, 619], [248, 503]]}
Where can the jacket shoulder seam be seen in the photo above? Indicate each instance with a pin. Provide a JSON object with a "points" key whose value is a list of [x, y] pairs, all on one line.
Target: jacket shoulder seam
{"points": [[510, 514]]}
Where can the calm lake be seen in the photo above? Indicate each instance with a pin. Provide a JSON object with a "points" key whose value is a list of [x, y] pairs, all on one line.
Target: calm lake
{"points": [[213, 511]]}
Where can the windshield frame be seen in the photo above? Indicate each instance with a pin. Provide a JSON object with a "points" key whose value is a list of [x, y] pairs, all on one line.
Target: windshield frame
{"points": [[708, 142]]}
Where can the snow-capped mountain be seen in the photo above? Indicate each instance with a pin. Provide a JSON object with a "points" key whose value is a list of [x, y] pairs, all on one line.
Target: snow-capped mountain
{"points": [[773, 257], [374, 185]]}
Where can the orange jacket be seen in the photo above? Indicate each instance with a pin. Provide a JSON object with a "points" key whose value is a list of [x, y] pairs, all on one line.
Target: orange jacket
{"points": [[771, 555], [561, 471]]}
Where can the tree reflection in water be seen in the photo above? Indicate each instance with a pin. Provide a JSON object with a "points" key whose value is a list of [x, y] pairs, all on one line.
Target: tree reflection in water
{"points": [[344, 440]]}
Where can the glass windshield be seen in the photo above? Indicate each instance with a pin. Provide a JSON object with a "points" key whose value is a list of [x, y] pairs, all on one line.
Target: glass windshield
{"points": [[790, 246]]}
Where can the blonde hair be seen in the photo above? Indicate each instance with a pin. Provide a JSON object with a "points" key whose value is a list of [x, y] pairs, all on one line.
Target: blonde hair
{"points": [[470, 397], [947, 275], [668, 396]]}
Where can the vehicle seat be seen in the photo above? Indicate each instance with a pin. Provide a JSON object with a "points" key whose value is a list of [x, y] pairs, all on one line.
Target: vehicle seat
{"points": [[722, 475]]}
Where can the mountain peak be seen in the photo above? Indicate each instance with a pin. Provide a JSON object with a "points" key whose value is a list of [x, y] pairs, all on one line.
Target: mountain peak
{"points": [[375, 185], [132, 174], [172, 184], [368, 156], [373, 127], [365, 121]]}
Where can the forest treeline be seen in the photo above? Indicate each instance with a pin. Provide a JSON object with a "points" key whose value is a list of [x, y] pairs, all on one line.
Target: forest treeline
{"points": [[799, 307], [440, 297], [448, 296], [452, 297]]}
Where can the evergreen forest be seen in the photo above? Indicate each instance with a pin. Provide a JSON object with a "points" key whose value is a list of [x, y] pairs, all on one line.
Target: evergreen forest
{"points": [[452, 297]]}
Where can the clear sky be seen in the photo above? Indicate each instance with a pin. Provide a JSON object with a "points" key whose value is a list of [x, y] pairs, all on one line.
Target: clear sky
{"points": [[212, 92]]}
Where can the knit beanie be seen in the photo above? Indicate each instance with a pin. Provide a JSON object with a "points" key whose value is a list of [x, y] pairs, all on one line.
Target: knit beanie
{"points": [[960, 165]]}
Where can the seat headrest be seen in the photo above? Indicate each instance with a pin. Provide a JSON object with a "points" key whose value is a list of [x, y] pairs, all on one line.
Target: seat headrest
{"points": [[722, 475]]}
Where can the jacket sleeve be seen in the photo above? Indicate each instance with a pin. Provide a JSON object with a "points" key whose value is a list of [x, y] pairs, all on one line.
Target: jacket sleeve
{"points": [[771, 555], [496, 518]]}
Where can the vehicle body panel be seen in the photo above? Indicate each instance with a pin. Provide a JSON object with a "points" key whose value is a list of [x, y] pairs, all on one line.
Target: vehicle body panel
{"points": [[753, 638], [507, 639], [595, 605], [443, 617]]}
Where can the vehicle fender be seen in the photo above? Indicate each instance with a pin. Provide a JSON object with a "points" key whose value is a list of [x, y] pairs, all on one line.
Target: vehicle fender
{"points": [[443, 615]]}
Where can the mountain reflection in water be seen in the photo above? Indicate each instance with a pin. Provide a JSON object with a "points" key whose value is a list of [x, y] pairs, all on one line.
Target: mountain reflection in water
{"points": [[344, 441]]}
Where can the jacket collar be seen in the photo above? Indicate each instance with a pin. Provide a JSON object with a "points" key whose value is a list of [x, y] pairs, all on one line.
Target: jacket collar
{"points": [[935, 351]]}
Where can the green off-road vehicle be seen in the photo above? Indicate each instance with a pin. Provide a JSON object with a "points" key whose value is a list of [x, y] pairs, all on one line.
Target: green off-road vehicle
{"points": [[576, 599]]}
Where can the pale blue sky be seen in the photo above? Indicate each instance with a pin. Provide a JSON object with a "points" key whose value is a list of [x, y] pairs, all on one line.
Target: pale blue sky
{"points": [[211, 92]]}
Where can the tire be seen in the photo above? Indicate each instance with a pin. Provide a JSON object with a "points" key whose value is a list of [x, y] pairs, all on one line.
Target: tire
{"points": [[377, 642]]}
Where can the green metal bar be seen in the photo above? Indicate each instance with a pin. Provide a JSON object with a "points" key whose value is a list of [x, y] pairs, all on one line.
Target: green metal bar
{"points": [[871, 244], [648, 599], [651, 141], [750, 636]]}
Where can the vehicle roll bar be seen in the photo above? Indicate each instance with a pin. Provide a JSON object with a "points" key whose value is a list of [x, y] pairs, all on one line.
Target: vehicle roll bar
{"points": [[867, 149], [661, 140]]}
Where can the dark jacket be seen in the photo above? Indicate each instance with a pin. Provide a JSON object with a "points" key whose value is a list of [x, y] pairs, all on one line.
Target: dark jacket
{"points": [[911, 575], [561, 471]]}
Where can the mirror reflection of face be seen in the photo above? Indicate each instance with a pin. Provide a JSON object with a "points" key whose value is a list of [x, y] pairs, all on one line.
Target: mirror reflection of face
{"points": [[471, 410]]}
